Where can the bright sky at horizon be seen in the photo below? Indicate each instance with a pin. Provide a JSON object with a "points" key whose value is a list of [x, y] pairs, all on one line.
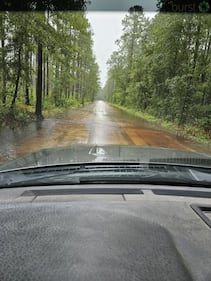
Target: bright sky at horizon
{"points": [[107, 28]]}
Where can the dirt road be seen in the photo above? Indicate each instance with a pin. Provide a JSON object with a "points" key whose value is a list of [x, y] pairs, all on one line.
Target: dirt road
{"points": [[97, 123]]}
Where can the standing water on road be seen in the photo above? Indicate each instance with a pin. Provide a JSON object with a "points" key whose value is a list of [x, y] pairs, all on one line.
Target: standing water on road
{"points": [[97, 123]]}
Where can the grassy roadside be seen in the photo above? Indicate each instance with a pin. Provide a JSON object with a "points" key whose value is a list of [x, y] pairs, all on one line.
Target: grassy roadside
{"points": [[189, 132], [24, 114], [51, 112]]}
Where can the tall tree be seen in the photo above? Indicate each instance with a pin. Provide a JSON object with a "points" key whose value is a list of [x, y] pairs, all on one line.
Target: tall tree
{"points": [[169, 73], [38, 110], [3, 57], [48, 53]]}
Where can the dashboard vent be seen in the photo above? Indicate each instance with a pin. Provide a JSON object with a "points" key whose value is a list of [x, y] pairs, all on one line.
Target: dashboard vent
{"points": [[183, 193], [204, 212]]}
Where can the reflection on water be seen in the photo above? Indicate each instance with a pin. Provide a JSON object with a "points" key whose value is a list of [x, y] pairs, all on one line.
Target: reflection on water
{"points": [[97, 123], [10, 139]]}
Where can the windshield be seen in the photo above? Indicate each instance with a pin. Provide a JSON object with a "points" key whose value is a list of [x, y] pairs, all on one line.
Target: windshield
{"points": [[100, 78]]}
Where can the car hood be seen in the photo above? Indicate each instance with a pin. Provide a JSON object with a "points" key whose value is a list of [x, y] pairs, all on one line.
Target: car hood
{"points": [[106, 153]]}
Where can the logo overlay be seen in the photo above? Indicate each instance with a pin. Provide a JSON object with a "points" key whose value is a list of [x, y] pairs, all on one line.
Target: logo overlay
{"points": [[204, 7]]}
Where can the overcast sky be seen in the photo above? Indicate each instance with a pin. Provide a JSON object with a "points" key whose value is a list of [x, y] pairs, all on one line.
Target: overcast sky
{"points": [[107, 28]]}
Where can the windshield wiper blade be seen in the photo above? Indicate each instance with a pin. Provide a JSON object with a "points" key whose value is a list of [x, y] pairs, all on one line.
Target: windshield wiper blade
{"points": [[18, 179]]}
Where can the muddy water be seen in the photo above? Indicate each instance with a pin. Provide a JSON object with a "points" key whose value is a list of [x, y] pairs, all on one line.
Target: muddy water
{"points": [[97, 123]]}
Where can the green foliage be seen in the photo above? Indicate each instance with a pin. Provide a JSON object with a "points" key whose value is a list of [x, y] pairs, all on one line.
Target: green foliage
{"points": [[65, 103], [188, 131], [68, 73], [163, 67], [72, 103], [117, 98], [20, 115]]}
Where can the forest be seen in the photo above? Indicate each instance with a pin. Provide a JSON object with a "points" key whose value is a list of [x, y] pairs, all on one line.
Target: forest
{"points": [[162, 67], [47, 63]]}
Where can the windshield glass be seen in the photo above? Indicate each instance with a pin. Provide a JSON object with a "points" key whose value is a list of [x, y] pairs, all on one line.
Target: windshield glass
{"points": [[130, 76]]}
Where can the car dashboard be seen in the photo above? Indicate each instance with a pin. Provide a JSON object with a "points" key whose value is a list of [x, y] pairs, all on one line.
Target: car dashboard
{"points": [[105, 232]]}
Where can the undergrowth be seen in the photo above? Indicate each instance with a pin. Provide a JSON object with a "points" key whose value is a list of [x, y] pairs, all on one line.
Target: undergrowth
{"points": [[187, 131]]}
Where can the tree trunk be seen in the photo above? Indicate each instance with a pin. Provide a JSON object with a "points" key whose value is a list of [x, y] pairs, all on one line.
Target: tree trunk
{"points": [[27, 99], [206, 61], [56, 88], [47, 76], [3, 55], [44, 75], [3, 73], [17, 80], [38, 110]]}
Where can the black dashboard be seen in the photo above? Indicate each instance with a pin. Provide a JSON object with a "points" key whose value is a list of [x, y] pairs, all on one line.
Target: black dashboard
{"points": [[105, 232]]}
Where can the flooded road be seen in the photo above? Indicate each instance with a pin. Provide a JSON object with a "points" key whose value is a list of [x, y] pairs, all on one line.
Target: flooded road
{"points": [[97, 123]]}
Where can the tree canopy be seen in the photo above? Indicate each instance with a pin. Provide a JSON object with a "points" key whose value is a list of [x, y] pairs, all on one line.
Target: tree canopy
{"points": [[163, 67], [46, 58]]}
